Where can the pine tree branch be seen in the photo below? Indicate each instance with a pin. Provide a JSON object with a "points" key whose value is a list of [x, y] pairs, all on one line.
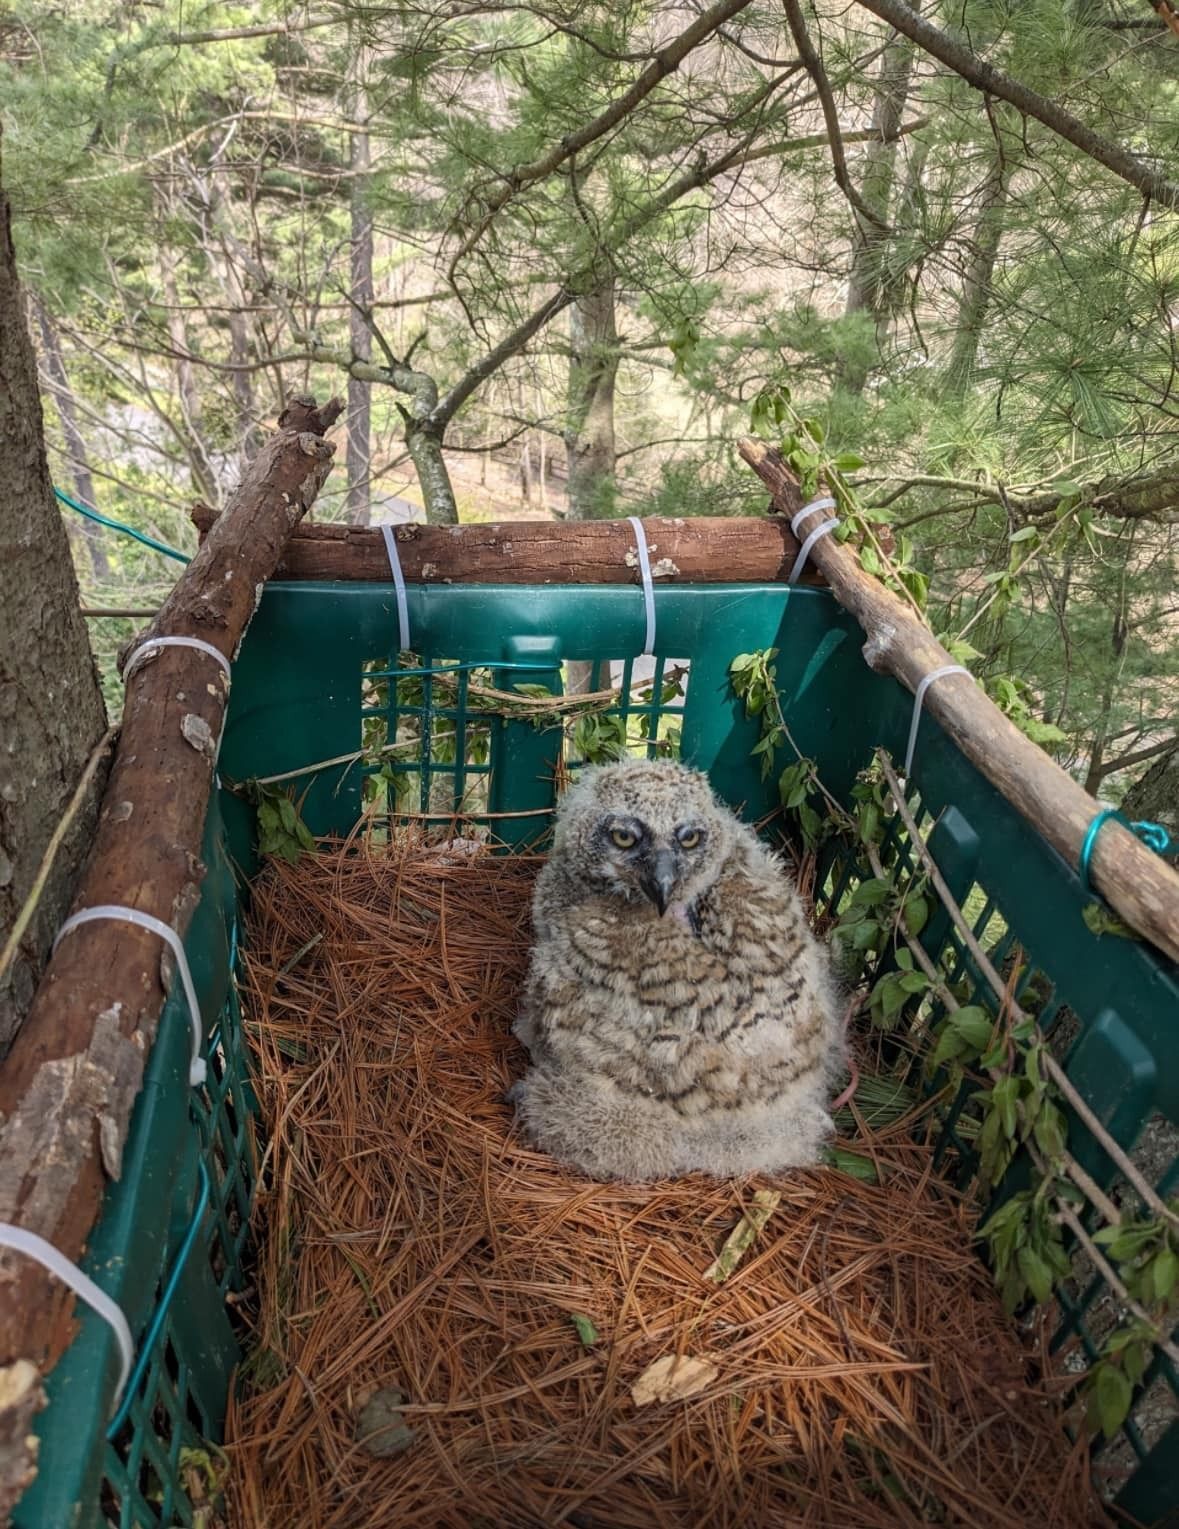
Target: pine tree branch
{"points": [[814, 67], [665, 62], [986, 77]]}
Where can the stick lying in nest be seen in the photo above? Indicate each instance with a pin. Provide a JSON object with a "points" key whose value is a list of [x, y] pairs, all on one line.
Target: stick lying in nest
{"points": [[68, 1086]]}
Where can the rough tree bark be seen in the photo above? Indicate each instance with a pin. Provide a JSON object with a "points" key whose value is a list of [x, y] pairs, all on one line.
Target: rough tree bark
{"points": [[865, 293], [589, 431], [68, 1085], [358, 458], [697, 549], [51, 710], [204, 475], [975, 301], [1155, 796], [63, 397]]}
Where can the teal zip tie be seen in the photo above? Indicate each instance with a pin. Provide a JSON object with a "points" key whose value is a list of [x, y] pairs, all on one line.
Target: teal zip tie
{"points": [[1153, 835], [160, 1315], [118, 525]]}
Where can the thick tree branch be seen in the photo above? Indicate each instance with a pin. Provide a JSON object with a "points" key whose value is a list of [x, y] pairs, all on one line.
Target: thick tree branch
{"points": [[986, 77], [814, 67]]}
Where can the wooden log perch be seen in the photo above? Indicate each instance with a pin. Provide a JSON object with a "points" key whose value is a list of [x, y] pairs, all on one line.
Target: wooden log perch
{"points": [[692, 549], [1135, 881], [69, 1083]]}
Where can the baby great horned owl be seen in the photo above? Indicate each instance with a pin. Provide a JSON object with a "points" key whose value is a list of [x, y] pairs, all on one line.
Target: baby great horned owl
{"points": [[678, 1010]]}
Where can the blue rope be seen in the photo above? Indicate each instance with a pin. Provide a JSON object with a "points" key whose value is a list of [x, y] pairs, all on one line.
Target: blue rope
{"points": [[117, 525], [1153, 835], [131, 1389]]}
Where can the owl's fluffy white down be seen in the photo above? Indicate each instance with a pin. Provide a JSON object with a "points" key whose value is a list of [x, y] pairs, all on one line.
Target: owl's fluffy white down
{"points": [[703, 1038]]}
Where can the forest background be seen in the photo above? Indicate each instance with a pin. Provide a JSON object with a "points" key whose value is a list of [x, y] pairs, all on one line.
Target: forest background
{"points": [[556, 253]]}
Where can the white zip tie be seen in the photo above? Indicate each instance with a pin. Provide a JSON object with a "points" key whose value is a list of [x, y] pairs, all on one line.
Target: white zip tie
{"points": [[825, 503], [399, 587], [648, 583], [918, 698], [143, 652], [44, 1253], [196, 1067]]}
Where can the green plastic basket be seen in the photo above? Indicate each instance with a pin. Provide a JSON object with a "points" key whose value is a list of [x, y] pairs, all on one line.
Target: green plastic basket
{"points": [[317, 679]]}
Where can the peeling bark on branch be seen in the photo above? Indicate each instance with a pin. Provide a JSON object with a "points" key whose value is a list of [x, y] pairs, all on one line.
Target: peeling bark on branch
{"points": [[698, 549], [1132, 879], [68, 1086]]}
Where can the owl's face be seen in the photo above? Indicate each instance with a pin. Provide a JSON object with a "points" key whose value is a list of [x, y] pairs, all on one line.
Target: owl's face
{"points": [[643, 829]]}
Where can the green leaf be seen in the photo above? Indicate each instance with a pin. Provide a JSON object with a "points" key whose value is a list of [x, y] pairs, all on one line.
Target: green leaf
{"points": [[913, 982], [949, 1046], [870, 894], [870, 561], [1050, 1131], [1024, 534], [1112, 1395], [586, 1330], [865, 934], [286, 812], [904, 959], [1164, 1270], [852, 1163], [916, 913], [1099, 920], [267, 814], [304, 835], [974, 1025], [1036, 1273]]}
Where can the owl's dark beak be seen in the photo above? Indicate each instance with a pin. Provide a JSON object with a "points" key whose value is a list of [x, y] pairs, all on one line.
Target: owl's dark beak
{"points": [[659, 878]]}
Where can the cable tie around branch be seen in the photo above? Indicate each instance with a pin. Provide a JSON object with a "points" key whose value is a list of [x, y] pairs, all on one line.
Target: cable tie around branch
{"points": [[648, 582], [196, 1066], [804, 551], [918, 700], [150, 645], [1153, 835], [824, 502], [44, 1253], [399, 588]]}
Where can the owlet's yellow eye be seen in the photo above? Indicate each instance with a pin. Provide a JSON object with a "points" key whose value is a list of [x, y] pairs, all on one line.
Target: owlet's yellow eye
{"points": [[689, 837], [623, 838]]}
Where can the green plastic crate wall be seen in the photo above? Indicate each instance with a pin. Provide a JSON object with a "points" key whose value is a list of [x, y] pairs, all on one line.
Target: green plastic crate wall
{"points": [[319, 679]]}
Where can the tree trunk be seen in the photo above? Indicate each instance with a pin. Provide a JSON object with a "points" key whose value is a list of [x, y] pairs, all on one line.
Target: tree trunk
{"points": [[1155, 796], [866, 285], [359, 451], [204, 477], [975, 302], [589, 430], [64, 398], [51, 710]]}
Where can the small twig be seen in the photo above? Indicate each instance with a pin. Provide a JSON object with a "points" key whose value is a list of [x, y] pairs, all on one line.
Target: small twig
{"points": [[1057, 1073], [40, 881], [1110, 1275], [753, 1219]]}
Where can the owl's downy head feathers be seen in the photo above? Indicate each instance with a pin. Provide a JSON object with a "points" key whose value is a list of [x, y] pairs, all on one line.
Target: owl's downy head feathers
{"points": [[643, 829]]}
